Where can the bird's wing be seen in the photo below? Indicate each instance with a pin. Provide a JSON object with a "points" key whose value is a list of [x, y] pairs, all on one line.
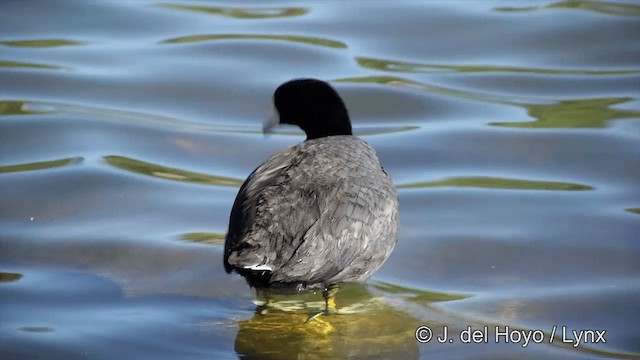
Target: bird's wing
{"points": [[293, 220], [357, 228], [266, 213]]}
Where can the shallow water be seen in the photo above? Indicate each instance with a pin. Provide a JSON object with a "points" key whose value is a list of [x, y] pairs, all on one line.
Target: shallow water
{"points": [[511, 130]]}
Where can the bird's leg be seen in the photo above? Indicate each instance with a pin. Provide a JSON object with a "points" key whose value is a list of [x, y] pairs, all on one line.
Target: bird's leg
{"points": [[268, 302], [329, 295]]}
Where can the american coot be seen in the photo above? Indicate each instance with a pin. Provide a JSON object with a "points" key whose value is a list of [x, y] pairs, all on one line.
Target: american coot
{"points": [[318, 214]]}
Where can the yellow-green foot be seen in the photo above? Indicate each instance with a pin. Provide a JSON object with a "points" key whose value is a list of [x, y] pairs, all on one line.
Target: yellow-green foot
{"points": [[329, 295], [325, 312], [268, 303]]}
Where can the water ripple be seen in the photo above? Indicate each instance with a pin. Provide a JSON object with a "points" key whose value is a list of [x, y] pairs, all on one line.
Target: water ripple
{"points": [[417, 295], [290, 38], [40, 165], [517, 166], [6, 277], [602, 7], [42, 43], [357, 130], [20, 64], [633, 210], [497, 183], [387, 334], [576, 113], [16, 107], [570, 113], [408, 83], [204, 237], [22, 107], [241, 12], [37, 329], [414, 67], [169, 173]]}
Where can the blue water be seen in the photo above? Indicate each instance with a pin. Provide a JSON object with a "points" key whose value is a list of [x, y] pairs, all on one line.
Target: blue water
{"points": [[511, 130]]}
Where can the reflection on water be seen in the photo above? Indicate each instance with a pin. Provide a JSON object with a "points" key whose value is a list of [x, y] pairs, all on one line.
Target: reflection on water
{"points": [[145, 168], [40, 165], [9, 276], [510, 129], [14, 107], [604, 7], [203, 237], [412, 84], [41, 43], [579, 113], [242, 13], [497, 183], [20, 64], [364, 328], [11, 107], [592, 113], [291, 38], [376, 334], [413, 67]]}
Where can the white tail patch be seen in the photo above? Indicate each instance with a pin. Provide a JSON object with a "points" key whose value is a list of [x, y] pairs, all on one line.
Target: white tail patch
{"points": [[259, 267]]}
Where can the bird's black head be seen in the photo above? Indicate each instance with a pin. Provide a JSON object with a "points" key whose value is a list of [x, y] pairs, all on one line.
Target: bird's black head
{"points": [[314, 106]]}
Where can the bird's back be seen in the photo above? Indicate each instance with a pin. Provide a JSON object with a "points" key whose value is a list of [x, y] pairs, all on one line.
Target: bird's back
{"points": [[319, 213]]}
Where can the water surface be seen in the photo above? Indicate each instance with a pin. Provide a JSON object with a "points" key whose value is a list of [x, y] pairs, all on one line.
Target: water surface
{"points": [[511, 129]]}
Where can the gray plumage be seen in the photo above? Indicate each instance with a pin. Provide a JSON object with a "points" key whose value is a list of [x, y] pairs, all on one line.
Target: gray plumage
{"points": [[319, 213]]}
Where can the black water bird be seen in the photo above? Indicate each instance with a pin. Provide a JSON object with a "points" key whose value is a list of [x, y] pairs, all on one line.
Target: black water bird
{"points": [[318, 214]]}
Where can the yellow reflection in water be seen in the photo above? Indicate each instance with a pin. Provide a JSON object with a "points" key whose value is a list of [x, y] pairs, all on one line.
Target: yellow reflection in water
{"points": [[242, 12], [44, 43], [364, 327], [40, 165], [578, 113], [291, 38], [9, 277], [18, 64], [603, 7], [286, 335], [497, 183], [574, 113], [204, 237], [633, 210], [13, 107], [413, 67], [155, 170]]}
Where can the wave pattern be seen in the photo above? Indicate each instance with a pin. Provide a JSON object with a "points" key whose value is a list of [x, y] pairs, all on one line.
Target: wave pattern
{"points": [[511, 131]]}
